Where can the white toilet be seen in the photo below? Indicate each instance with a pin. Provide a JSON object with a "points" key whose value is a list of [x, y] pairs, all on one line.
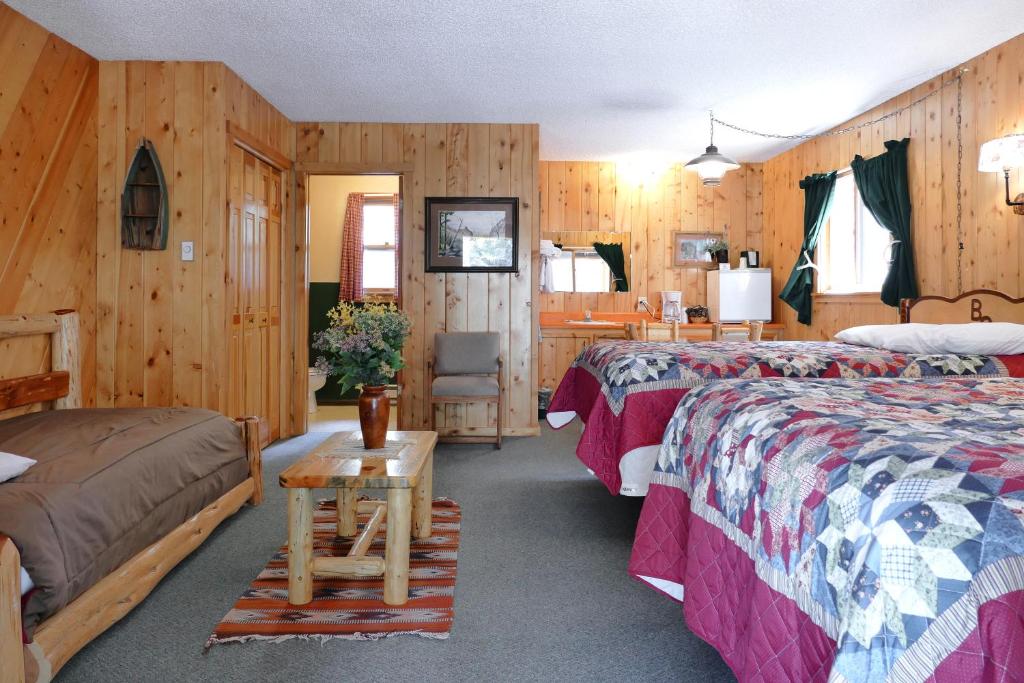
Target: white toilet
{"points": [[317, 380]]}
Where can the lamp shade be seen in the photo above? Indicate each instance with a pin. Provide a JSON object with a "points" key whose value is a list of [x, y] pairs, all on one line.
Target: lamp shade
{"points": [[1001, 154], [712, 166]]}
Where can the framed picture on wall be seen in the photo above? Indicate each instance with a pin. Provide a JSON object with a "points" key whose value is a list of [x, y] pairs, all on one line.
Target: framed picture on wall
{"points": [[472, 234], [690, 249]]}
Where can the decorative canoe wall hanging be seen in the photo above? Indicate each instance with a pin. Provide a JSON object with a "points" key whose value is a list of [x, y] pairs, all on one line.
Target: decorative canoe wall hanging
{"points": [[144, 213]]}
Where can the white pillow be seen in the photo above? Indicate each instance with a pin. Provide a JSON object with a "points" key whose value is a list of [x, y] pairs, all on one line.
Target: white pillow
{"points": [[991, 339], [12, 466]]}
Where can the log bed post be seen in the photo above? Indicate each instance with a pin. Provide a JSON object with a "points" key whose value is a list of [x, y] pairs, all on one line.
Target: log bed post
{"points": [[64, 357], [12, 662], [251, 436]]}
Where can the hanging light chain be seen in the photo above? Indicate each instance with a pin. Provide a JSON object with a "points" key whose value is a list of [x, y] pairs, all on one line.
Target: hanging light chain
{"points": [[848, 129]]}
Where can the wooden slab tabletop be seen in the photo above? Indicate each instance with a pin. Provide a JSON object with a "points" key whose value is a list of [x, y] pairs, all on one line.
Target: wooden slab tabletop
{"points": [[322, 469]]}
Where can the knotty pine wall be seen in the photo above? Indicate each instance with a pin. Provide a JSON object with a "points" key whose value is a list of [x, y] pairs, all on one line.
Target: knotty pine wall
{"points": [[497, 160], [605, 196], [47, 189], [161, 322], [993, 91]]}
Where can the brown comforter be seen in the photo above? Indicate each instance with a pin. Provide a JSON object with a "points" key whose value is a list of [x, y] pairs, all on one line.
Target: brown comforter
{"points": [[109, 482]]}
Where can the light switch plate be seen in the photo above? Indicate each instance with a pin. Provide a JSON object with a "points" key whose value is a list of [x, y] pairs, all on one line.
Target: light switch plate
{"points": [[188, 251]]}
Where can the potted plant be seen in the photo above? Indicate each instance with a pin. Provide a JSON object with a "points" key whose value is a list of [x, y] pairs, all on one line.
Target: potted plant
{"points": [[697, 314], [719, 251], [362, 347]]}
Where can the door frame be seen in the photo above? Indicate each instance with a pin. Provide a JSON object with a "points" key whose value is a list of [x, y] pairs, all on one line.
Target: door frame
{"points": [[237, 136], [300, 349]]}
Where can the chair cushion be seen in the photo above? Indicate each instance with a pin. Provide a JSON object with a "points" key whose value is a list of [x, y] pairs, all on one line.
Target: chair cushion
{"points": [[465, 385], [466, 353]]}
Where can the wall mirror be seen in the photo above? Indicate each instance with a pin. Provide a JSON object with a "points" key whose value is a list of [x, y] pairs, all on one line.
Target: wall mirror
{"points": [[571, 263]]}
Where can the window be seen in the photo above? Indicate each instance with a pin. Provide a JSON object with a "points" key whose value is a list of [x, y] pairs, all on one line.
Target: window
{"points": [[853, 250], [581, 270], [378, 246]]}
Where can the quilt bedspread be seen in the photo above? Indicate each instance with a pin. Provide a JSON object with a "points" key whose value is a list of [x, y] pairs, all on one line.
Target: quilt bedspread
{"points": [[846, 530], [625, 391]]}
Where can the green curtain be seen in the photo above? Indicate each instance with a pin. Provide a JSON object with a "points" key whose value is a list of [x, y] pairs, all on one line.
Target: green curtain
{"points": [[818, 191], [616, 260], [882, 183]]}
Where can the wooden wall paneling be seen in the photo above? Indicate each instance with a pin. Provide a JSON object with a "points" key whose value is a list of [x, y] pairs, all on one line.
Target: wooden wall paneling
{"points": [[307, 149], [216, 326], [654, 254], [991, 257], [499, 284], [454, 160], [929, 183], [110, 155], [129, 353], [477, 294], [48, 159], [435, 306], [414, 153], [456, 284], [650, 208], [371, 150], [157, 266], [187, 209], [591, 181], [523, 334], [330, 141]]}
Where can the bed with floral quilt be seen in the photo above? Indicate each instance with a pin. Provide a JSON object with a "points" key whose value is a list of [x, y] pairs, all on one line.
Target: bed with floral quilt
{"points": [[625, 391], [868, 530]]}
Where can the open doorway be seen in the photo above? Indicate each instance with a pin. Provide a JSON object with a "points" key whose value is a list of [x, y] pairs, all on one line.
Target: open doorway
{"points": [[354, 228]]}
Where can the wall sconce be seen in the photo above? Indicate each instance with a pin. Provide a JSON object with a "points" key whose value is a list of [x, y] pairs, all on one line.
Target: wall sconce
{"points": [[1002, 154]]}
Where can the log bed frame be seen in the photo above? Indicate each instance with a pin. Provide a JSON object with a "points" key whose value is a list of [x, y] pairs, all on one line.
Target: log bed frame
{"points": [[975, 306], [59, 637]]}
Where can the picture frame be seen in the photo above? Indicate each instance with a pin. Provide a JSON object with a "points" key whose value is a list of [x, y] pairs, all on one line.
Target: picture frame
{"points": [[472, 235], [689, 249]]}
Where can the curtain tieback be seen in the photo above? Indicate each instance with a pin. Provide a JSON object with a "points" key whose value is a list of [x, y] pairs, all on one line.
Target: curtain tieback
{"points": [[808, 263], [890, 250]]}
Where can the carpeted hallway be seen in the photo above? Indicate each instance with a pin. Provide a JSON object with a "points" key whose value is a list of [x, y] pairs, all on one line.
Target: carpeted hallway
{"points": [[542, 591]]}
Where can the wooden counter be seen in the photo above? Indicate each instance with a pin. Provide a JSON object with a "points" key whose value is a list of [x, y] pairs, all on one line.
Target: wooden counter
{"points": [[562, 340]]}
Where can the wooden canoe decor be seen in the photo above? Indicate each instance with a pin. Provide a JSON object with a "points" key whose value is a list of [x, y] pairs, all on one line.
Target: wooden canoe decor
{"points": [[144, 212]]}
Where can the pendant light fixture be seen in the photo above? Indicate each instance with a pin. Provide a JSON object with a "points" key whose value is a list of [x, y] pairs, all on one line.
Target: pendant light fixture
{"points": [[711, 166]]}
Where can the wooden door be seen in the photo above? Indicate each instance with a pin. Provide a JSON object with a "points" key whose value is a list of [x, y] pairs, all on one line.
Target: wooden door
{"points": [[254, 289]]}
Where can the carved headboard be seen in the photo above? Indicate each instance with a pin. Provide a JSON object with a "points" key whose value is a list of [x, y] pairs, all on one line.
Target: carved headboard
{"points": [[62, 384], [979, 305]]}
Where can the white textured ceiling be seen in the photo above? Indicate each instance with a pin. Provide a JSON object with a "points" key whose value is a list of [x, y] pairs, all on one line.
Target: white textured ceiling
{"points": [[604, 78]]}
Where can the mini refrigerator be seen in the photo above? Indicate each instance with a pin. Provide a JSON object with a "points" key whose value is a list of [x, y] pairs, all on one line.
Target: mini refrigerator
{"points": [[738, 295]]}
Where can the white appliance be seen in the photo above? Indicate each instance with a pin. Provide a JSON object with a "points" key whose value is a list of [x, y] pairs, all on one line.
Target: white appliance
{"points": [[738, 295], [671, 306]]}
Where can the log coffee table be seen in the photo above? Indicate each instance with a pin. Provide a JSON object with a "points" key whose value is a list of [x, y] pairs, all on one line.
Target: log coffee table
{"points": [[404, 467]]}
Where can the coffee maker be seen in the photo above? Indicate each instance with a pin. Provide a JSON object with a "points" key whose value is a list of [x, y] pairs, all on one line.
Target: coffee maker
{"points": [[672, 307]]}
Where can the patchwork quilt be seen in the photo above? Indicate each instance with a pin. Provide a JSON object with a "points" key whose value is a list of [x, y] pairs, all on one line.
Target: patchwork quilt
{"points": [[625, 391], [867, 530]]}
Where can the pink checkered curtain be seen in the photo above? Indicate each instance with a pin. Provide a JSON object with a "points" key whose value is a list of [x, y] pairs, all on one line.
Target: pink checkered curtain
{"points": [[398, 231], [351, 279]]}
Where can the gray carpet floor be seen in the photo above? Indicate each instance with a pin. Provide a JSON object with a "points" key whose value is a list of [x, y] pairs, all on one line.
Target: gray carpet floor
{"points": [[542, 590]]}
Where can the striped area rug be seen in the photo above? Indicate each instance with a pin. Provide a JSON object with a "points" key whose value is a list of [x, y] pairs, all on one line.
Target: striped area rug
{"points": [[352, 608]]}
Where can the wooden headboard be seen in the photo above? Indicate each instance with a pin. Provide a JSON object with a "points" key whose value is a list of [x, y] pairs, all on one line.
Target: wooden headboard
{"points": [[979, 305], [62, 384]]}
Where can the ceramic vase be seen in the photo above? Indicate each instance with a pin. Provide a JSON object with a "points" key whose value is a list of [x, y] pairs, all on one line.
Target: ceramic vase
{"points": [[374, 410]]}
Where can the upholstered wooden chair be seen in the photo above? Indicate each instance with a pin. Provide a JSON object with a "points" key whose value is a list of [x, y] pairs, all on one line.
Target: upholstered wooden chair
{"points": [[466, 368]]}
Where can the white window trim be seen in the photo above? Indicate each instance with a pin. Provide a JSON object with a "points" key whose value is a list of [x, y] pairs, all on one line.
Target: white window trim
{"points": [[385, 246]]}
